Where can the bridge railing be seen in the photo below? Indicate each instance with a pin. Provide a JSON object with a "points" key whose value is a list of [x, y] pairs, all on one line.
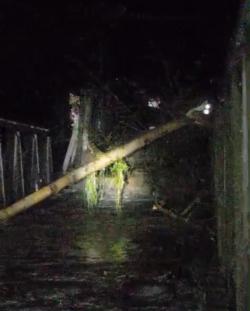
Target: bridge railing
{"points": [[26, 161]]}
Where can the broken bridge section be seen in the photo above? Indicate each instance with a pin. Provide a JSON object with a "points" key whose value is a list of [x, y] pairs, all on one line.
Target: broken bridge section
{"points": [[26, 161]]}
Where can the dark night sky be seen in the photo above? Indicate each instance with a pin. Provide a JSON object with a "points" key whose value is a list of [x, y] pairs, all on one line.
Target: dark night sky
{"points": [[48, 49]]}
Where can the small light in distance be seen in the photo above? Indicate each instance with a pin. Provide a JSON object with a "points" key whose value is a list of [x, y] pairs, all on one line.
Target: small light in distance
{"points": [[207, 108], [206, 111], [154, 103]]}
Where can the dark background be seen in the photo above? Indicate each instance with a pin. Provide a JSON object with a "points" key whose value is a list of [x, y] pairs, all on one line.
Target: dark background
{"points": [[51, 48]]}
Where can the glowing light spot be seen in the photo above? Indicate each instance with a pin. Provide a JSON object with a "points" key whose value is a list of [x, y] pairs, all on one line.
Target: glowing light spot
{"points": [[208, 106], [206, 111], [154, 103]]}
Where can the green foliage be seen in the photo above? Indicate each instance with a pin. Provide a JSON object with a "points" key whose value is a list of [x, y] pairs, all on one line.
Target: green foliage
{"points": [[91, 191], [119, 249], [94, 184], [119, 170]]}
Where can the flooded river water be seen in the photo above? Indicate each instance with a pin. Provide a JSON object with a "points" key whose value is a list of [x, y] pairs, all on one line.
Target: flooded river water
{"points": [[58, 256]]}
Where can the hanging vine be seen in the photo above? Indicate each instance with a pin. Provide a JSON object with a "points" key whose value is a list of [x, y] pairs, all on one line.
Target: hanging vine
{"points": [[93, 188], [119, 170], [91, 191], [94, 184]]}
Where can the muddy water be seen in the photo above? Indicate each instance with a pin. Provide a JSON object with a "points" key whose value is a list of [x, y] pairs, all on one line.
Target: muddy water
{"points": [[60, 257]]}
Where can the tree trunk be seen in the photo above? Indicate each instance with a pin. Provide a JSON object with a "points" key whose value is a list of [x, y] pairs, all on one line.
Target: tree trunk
{"points": [[71, 151], [86, 103], [102, 161], [78, 152]]}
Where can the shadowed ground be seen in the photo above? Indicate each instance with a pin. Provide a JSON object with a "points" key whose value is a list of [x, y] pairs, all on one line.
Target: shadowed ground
{"points": [[60, 257]]}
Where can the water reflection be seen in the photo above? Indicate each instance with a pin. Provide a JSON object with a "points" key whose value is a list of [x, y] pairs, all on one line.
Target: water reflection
{"points": [[104, 240], [61, 257]]}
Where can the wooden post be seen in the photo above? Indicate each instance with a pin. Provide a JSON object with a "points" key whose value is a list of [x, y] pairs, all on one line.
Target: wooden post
{"points": [[35, 164], [20, 152], [8, 140], [3, 194], [18, 177], [48, 161]]}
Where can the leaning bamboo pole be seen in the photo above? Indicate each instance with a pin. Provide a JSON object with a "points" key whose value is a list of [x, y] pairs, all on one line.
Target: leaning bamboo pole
{"points": [[101, 162]]}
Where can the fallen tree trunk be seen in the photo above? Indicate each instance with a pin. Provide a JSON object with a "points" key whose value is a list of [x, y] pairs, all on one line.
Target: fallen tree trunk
{"points": [[101, 162]]}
